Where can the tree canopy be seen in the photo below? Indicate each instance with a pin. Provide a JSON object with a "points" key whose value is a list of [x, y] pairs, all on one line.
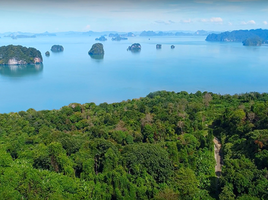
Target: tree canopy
{"points": [[156, 147]]}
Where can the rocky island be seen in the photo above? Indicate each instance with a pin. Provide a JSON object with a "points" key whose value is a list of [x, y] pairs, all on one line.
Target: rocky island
{"points": [[19, 55], [47, 53], [172, 47], [101, 38], [158, 46], [119, 38], [96, 51], [134, 47], [57, 48]]}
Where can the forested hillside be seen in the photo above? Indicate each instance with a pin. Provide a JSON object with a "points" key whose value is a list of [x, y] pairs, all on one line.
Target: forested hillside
{"points": [[248, 37], [157, 147]]}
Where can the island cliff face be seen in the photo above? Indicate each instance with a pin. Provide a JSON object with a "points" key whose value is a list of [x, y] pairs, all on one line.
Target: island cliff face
{"points": [[19, 55]]}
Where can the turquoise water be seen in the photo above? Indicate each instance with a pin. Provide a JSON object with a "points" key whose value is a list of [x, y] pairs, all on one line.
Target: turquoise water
{"points": [[73, 76]]}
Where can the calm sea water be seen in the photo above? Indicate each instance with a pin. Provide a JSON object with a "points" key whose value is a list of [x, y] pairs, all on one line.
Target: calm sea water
{"points": [[73, 76]]}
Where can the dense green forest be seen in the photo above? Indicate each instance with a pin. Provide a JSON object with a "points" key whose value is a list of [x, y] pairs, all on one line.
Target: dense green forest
{"points": [[253, 41], [257, 36], [27, 55], [157, 147]]}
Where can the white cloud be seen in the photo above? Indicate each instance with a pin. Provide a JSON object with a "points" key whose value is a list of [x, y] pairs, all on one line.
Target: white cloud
{"points": [[203, 20], [87, 28], [164, 22], [230, 23], [213, 20], [265, 22], [216, 19], [249, 22], [186, 21]]}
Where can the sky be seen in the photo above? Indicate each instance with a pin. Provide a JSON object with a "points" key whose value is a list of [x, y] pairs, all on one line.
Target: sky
{"points": [[38, 16]]}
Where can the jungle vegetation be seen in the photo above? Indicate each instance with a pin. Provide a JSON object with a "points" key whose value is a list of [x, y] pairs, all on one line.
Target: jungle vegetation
{"points": [[157, 147]]}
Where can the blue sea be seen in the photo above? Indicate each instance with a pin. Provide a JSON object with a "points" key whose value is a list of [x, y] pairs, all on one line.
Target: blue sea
{"points": [[73, 76]]}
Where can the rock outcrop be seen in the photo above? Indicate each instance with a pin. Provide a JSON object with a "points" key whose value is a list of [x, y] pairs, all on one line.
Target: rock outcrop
{"points": [[47, 53], [57, 48], [172, 47]]}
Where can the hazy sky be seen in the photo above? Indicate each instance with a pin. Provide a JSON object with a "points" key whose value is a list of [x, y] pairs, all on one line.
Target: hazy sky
{"points": [[131, 15]]}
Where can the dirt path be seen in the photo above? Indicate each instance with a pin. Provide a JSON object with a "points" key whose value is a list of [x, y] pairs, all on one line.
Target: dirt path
{"points": [[217, 148]]}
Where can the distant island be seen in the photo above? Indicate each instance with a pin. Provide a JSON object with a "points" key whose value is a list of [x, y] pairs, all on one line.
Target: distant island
{"points": [[129, 34], [15, 36], [19, 35], [119, 38], [19, 55], [47, 53], [134, 47], [101, 38], [152, 33], [158, 46], [57, 48], [248, 37], [46, 34], [161, 33]]}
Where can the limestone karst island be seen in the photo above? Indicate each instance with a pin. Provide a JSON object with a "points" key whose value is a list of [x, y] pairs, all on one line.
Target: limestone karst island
{"points": [[134, 47], [19, 55], [57, 48], [96, 51]]}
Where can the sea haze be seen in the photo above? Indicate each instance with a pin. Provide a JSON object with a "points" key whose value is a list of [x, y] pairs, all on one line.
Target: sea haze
{"points": [[73, 76]]}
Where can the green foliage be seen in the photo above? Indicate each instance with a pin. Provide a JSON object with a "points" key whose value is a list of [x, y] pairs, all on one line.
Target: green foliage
{"points": [[150, 158], [156, 147], [254, 41]]}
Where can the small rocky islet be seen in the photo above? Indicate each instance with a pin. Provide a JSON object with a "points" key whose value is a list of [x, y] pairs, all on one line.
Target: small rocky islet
{"points": [[57, 48], [96, 51], [20, 55], [47, 53], [134, 47]]}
